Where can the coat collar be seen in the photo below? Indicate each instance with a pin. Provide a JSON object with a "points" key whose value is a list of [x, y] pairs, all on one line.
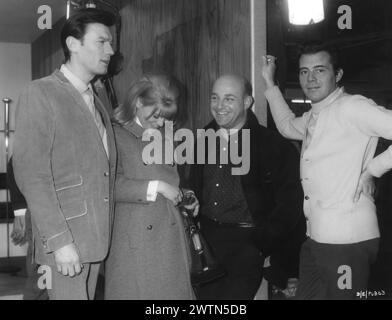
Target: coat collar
{"points": [[134, 128]]}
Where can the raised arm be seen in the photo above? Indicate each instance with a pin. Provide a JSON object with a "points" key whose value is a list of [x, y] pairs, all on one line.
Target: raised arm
{"points": [[288, 125]]}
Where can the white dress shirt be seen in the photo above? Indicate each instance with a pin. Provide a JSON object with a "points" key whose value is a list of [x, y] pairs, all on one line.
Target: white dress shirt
{"points": [[87, 94]]}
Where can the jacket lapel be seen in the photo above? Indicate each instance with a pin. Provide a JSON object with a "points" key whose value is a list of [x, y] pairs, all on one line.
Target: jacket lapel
{"points": [[79, 102]]}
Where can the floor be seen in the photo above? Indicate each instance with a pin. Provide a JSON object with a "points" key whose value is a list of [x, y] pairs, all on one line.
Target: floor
{"points": [[13, 279]]}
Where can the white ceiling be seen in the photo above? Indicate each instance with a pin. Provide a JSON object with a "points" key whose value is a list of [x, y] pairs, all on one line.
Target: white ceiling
{"points": [[18, 18]]}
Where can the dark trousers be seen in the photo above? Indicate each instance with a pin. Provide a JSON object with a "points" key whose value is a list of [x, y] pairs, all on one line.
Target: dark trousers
{"points": [[335, 271], [243, 262], [80, 287]]}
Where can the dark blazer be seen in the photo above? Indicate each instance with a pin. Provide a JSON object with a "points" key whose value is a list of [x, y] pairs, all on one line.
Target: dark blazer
{"points": [[62, 169], [271, 187]]}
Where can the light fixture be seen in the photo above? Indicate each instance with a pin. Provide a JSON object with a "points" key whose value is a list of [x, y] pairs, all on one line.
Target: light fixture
{"points": [[68, 8], [304, 12], [300, 101], [90, 4], [73, 5]]}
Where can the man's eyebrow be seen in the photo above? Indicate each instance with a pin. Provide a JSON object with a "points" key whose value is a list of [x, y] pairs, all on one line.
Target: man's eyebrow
{"points": [[317, 66], [105, 38], [230, 95]]}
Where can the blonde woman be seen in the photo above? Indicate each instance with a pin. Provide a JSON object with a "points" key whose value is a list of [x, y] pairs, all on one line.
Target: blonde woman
{"points": [[149, 256]]}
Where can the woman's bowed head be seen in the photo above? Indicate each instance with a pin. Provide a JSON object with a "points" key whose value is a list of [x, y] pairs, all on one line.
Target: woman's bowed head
{"points": [[152, 100]]}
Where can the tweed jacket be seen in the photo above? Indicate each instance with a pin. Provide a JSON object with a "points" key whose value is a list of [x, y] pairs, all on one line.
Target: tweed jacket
{"points": [[62, 169]]}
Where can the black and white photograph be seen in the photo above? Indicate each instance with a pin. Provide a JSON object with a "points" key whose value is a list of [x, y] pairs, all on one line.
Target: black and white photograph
{"points": [[198, 156]]}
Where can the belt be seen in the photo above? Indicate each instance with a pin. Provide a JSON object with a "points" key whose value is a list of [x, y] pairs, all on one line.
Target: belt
{"points": [[230, 224]]}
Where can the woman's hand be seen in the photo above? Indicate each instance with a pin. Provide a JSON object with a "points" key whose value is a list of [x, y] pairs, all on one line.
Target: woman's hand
{"points": [[170, 192], [194, 205]]}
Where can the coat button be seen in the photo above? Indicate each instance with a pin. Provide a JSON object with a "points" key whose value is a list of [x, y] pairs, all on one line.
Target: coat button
{"points": [[106, 174], [106, 199], [307, 198], [149, 227]]}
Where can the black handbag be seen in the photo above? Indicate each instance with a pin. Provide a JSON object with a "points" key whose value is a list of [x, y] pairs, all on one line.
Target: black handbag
{"points": [[205, 268]]}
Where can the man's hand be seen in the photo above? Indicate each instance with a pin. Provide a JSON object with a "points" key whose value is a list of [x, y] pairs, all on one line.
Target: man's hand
{"points": [[268, 68], [18, 234], [365, 185], [67, 260]]}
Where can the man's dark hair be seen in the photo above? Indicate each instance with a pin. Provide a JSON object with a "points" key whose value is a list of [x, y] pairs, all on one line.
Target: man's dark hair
{"points": [[76, 25], [316, 47]]}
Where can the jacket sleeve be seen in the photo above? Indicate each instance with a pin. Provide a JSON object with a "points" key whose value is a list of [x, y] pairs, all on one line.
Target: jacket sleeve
{"points": [[127, 189], [34, 138], [287, 194]]}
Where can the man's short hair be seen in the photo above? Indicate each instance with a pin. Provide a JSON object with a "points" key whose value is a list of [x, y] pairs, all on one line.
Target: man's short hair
{"points": [[76, 25], [316, 47]]}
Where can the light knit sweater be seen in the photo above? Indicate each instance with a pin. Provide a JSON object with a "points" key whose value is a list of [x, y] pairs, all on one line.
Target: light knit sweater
{"points": [[342, 147]]}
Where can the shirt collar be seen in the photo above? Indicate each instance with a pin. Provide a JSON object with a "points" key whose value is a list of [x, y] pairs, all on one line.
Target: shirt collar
{"points": [[317, 107], [137, 120], [226, 133], [75, 81]]}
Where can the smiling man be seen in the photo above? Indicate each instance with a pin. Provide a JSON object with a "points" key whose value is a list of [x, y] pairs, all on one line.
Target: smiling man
{"points": [[339, 137], [246, 218], [64, 159]]}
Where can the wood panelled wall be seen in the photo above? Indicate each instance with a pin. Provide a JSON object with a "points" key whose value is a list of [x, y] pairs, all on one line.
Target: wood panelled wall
{"points": [[195, 40], [46, 52]]}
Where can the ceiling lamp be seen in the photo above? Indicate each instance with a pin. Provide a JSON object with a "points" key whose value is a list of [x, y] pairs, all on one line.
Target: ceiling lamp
{"points": [[304, 12], [78, 4]]}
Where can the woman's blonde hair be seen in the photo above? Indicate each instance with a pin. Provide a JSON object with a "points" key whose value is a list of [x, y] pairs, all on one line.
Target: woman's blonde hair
{"points": [[150, 90]]}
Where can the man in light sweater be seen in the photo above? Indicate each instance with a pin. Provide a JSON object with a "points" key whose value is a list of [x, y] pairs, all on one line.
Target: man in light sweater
{"points": [[339, 136]]}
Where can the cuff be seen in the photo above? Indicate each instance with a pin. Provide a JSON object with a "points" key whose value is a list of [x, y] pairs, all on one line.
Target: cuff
{"points": [[20, 213], [57, 241], [152, 191]]}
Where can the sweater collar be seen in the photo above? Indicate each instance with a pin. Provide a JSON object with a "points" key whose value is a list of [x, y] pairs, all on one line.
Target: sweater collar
{"points": [[319, 106]]}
